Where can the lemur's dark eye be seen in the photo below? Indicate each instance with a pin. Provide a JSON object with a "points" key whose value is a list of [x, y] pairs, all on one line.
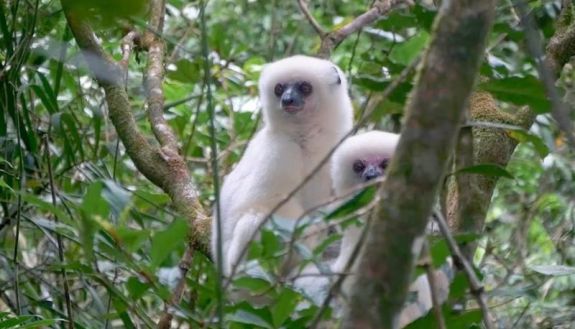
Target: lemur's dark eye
{"points": [[358, 166], [279, 89], [305, 88], [383, 164]]}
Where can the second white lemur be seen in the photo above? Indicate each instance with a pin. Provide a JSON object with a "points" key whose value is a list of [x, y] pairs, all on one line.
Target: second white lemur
{"points": [[306, 111], [358, 160]]}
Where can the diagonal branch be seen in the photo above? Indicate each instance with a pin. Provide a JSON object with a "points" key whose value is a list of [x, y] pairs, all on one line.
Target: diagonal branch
{"points": [[474, 283], [305, 10]]}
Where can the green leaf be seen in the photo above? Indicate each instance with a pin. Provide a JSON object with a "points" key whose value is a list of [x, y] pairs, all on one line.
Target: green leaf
{"points": [[360, 200], [4, 185], [44, 98], [185, 71], [406, 52], [164, 242], [244, 317], [283, 308], [136, 288], [525, 136], [93, 204], [519, 91], [487, 170], [132, 239], [458, 287], [40, 324], [439, 252], [554, 270], [254, 285]]}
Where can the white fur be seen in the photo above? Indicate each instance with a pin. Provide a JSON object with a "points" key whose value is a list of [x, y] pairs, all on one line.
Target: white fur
{"points": [[373, 143], [382, 144], [283, 152]]}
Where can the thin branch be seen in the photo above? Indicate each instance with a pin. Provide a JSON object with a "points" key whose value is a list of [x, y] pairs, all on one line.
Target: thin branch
{"points": [[305, 10], [184, 266], [128, 42], [381, 7], [154, 77], [433, 286], [214, 162], [474, 283], [60, 243]]}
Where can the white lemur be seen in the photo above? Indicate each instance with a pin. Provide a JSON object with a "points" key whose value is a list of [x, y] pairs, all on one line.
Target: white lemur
{"points": [[306, 111], [358, 160]]}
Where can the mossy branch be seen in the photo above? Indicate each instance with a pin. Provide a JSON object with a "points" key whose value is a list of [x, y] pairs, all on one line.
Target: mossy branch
{"points": [[162, 164]]}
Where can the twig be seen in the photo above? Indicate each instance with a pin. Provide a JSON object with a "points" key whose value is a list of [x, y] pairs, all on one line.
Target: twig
{"points": [[214, 162], [433, 287], [60, 243], [128, 42], [475, 286], [305, 10], [184, 266], [154, 77], [379, 8]]}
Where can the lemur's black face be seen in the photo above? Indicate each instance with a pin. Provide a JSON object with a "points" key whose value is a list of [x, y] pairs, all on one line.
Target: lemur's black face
{"points": [[370, 168], [293, 94]]}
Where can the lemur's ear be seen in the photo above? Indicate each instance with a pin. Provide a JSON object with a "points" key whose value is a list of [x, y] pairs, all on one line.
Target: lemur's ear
{"points": [[337, 79]]}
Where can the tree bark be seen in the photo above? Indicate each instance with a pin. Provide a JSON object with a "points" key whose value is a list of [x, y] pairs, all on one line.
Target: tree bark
{"points": [[432, 124]]}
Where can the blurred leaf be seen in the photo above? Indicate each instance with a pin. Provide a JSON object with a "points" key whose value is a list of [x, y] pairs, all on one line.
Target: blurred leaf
{"points": [[284, 307], [166, 241], [406, 52], [459, 286], [554, 270], [524, 136], [519, 91], [107, 12], [136, 288], [256, 286], [244, 317], [93, 204], [185, 71], [487, 170], [116, 196]]}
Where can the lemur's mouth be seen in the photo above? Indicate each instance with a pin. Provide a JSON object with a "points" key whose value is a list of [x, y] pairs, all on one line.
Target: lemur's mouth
{"points": [[292, 109]]}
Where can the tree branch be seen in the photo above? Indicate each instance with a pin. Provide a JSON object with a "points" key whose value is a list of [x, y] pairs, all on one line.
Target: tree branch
{"points": [[305, 10], [329, 40], [162, 166], [474, 283], [155, 75], [416, 171]]}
